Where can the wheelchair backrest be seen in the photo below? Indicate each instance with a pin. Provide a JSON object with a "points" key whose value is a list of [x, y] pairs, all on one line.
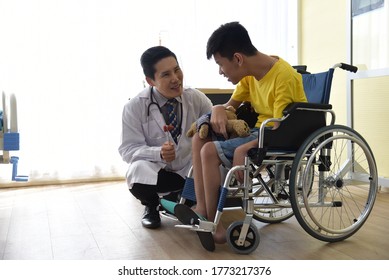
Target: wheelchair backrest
{"points": [[301, 123], [317, 86]]}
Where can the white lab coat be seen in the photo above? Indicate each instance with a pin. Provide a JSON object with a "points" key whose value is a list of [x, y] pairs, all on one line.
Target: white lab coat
{"points": [[143, 136]]}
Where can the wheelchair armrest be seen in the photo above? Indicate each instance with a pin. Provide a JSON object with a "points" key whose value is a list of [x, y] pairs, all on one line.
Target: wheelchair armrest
{"points": [[295, 124], [257, 155], [305, 105], [263, 127]]}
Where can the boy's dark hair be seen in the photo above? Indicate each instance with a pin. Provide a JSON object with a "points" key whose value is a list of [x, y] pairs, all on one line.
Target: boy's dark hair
{"points": [[228, 39], [151, 57]]}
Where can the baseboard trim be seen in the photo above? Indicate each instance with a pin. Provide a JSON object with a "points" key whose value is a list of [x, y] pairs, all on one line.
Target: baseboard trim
{"points": [[40, 183]]}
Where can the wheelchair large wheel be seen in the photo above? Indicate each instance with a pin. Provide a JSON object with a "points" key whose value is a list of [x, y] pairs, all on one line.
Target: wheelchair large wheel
{"points": [[250, 243], [345, 183]]}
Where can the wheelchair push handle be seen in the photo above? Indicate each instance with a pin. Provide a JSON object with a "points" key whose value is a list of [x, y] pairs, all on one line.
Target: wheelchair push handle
{"points": [[347, 67]]}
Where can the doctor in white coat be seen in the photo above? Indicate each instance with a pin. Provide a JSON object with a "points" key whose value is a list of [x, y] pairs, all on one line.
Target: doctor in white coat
{"points": [[158, 163]]}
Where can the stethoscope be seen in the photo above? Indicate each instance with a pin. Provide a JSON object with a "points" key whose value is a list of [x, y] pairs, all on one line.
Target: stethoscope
{"points": [[152, 102]]}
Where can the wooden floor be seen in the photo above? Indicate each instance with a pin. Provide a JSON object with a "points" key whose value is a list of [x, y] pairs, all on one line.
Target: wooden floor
{"points": [[102, 221]]}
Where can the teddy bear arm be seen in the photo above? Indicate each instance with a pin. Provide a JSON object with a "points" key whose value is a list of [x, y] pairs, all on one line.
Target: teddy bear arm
{"points": [[192, 130]]}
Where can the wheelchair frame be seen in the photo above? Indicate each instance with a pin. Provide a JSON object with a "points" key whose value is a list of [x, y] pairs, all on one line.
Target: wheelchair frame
{"points": [[330, 193]]}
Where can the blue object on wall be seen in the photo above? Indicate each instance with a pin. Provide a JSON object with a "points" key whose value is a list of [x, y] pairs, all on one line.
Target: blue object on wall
{"points": [[11, 141]]}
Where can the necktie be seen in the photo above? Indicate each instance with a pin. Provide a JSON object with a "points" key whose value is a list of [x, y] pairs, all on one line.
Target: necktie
{"points": [[172, 117]]}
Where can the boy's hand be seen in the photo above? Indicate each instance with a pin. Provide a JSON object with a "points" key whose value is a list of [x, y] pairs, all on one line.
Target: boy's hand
{"points": [[219, 120]]}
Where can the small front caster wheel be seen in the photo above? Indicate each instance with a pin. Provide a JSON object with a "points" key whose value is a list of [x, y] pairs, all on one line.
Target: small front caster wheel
{"points": [[250, 243]]}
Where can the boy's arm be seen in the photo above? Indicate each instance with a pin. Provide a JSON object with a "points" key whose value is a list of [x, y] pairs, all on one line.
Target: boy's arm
{"points": [[219, 117]]}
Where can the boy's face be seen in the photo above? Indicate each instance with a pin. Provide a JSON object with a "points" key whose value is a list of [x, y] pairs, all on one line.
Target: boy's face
{"points": [[168, 78], [228, 68]]}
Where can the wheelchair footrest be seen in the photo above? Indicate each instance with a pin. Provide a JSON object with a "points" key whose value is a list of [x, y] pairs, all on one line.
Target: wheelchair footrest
{"points": [[209, 227]]}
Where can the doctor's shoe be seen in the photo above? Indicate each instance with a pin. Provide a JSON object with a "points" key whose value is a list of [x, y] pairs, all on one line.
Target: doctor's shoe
{"points": [[151, 217]]}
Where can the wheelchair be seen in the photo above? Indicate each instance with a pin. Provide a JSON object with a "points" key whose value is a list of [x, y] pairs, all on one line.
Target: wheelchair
{"points": [[324, 174]]}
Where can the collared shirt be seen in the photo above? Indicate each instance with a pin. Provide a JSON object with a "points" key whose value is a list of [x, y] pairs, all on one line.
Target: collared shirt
{"points": [[161, 100]]}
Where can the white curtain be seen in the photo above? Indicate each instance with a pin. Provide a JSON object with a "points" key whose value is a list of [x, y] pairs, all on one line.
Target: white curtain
{"points": [[73, 64]]}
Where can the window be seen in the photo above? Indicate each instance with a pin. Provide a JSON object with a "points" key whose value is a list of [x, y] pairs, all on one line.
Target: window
{"points": [[364, 6], [73, 64]]}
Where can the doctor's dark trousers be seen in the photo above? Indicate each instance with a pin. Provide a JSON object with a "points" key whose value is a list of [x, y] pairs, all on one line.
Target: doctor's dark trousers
{"points": [[167, 182]]}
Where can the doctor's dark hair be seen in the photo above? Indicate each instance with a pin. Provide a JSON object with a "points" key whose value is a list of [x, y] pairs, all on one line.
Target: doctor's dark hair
{"points": [[151, 57], [228, 39]]}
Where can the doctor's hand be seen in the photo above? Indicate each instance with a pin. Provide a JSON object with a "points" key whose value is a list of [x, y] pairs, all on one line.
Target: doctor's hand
{"points": [[168, 153]]}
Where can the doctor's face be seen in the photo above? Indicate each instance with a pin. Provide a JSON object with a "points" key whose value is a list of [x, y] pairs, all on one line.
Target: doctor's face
{"points": [[168, 77]]}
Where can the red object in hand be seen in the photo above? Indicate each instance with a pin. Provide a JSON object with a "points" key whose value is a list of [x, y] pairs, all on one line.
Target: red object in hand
{"points": [[167, 128]]}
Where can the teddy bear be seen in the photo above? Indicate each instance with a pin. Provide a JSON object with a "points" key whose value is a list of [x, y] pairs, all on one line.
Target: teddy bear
{"points": [[235, 127]]}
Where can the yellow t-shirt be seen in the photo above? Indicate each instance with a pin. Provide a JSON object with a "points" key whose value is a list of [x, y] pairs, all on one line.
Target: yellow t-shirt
{"points": [[269, 96]]}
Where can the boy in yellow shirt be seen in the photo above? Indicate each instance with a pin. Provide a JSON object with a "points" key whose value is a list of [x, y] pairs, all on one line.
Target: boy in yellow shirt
{"points": [[268, 82]]}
